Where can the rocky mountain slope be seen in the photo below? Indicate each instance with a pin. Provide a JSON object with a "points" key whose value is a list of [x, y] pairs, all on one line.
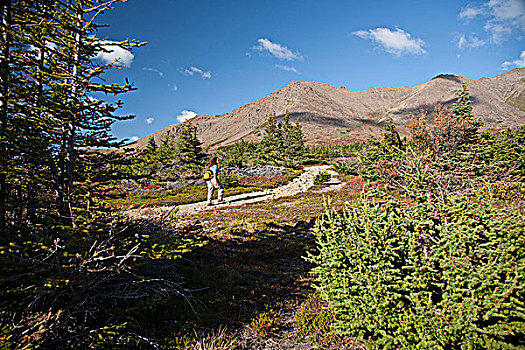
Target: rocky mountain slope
{"points": [[329, 114]]}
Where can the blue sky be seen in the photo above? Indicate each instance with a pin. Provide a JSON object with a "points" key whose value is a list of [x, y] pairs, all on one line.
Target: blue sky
{"points": [[211, 57]]}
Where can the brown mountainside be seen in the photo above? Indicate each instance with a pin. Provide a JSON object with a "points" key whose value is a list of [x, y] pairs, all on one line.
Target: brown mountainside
{"points": [[329, 115]]}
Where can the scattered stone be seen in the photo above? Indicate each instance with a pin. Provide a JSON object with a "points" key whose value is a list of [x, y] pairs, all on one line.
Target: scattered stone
{"points": [[260, 170]]}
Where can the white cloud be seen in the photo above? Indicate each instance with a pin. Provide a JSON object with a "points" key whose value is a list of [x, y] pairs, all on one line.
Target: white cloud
{"points": [[470, 12], [397, 42], [472, 41], [192, 70], [49, 45], [287, 68], [161, 74], [115, 54], [186, 115], [133, 138], [503, 17], [517, 63], [277, 50], [150, 120]]}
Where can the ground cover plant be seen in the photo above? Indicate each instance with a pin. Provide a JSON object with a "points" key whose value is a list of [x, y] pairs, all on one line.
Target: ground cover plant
{"points": [[242, 266]]}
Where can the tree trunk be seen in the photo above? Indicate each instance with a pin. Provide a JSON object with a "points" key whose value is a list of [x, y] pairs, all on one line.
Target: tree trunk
{"points": [[70, 138], [4, 89]]}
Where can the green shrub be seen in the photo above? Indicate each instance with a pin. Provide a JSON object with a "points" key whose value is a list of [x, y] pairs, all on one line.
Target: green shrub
{"points": [[229, 180], [510, 152], [376, 153], [426, 273], [346, 168], [322, 178]]}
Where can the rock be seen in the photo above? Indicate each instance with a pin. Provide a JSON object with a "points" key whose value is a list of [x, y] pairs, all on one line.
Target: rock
{"points": [[259, 170]]}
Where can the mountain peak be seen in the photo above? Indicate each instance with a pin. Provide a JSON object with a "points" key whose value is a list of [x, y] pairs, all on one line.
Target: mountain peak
{"points": [[451, 77]]}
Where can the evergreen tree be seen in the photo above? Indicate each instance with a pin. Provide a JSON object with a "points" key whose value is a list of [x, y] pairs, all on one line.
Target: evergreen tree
{"points": [[270, 148], [293, 147], [167, 149], [462, 110], [47, 114], [151, 146], [463, 106], [283, 143], [189, 148]]}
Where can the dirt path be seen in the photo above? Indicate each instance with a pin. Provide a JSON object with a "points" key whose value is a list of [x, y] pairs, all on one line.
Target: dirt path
{"points": [[300, 184]]}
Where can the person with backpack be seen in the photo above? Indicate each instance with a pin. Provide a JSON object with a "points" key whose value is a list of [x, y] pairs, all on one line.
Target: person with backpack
{"points": [[211, 178]]}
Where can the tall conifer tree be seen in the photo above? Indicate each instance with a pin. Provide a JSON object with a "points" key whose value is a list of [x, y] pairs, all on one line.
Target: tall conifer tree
{"points": [[48, 115]]}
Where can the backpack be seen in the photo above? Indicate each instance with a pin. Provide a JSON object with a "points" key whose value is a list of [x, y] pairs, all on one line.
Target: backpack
{"points": [[208, 174]]}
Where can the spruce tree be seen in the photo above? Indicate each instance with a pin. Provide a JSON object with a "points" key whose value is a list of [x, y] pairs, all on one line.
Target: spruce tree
{"points": [[47, 114], [462, 110], [189, 148], [463, 106], [151, 147], [293, 147], [271, 146]]}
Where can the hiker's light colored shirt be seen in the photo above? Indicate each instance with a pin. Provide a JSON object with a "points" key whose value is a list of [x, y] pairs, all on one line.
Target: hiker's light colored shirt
{"points": [[215, 170]]}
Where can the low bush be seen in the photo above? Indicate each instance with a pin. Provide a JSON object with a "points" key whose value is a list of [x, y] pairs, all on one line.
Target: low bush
{"points": [[322, 178], [346, 168], [315, 321], [229, 180], [429, 272]]}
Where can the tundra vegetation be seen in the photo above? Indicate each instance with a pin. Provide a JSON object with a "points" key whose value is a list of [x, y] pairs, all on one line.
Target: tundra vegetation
{"points": [[422, 248]]}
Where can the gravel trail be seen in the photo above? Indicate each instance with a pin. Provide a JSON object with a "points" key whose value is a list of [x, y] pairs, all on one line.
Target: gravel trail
{"points": [[300, 184]]}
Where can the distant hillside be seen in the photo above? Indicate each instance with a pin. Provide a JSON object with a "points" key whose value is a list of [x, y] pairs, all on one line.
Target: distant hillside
{"points": [[329, 114]]}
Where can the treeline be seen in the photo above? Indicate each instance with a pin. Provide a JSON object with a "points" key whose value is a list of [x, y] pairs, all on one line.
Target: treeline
{"points": [[458, 152], [283, 144], [174, 156]]}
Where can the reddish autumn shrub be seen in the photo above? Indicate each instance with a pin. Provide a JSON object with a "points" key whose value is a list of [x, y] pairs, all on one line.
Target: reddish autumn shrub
{"points": [[151, 187]]}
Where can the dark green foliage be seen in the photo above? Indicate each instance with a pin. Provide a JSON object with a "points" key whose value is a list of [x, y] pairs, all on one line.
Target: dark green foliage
{"points": [[147, 163], [239, 154], [462, 110], [48, 116], [65, 260], [283, 143], [189, 148], [346, 168], [453, 139], [229, 180], [509, 153], [334, 151], [322, 178], [377, 152], [428, 272]]}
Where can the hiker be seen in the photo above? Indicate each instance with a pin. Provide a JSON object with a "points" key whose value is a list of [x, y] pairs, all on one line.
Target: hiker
{"points": [[210, 176]]}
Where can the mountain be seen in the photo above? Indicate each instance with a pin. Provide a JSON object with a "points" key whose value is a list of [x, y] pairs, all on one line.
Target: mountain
{"points": [[330, 115]]}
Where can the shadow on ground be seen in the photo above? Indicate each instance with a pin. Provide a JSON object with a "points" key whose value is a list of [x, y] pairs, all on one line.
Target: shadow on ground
{"points": [[237, 275]]}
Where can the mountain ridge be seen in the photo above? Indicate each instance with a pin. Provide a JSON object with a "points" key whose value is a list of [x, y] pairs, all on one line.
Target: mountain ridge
{"points": [[331, 114]]}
